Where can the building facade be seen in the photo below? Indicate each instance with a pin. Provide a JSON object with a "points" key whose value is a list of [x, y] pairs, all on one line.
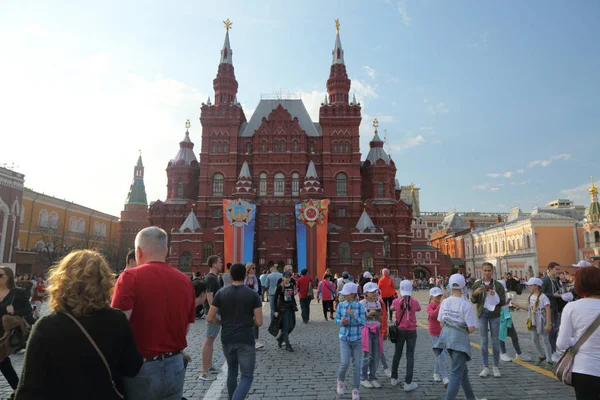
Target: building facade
{"points": [[11, 194], [434, 219], [589, 231], [276, 159], [51, 227], [134, 216]]}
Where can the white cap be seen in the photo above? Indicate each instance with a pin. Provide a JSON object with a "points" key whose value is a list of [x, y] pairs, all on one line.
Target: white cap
{"points": [[534, 281], [370, 287], [349, 288], [456, 281], [435, 292], [406, 288], [583, 263], [567, 296], [367, 274]]}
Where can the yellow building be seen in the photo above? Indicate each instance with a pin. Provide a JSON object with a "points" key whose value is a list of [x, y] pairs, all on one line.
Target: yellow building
{"points": [[51, 227]]}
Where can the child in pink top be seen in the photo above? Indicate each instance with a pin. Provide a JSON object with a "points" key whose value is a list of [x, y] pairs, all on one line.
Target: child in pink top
{"points": [[405, 308], [440, 374]]}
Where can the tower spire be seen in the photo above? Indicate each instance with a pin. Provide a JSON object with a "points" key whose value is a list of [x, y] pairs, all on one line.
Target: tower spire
{"points": [[594, 209], [225, 84], [338, 52], [137, 190], [226, 53], [338, 84]]}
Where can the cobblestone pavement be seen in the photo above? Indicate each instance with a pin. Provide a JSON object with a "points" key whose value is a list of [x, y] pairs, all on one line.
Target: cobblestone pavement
{"points": [[311, 372]]}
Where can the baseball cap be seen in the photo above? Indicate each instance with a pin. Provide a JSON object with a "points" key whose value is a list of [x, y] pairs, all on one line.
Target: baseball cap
{"points": [[456, 281], [367, 274], [349, 288], [534, 281], [435, 292], [582, 263], [370, 287], [287, 273], [406, 288]]}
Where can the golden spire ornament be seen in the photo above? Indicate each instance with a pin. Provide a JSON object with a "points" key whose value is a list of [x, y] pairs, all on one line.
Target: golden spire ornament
{"points": [[187, 125], [375, 123], [227, 24], [337, 26], [593, 189]]}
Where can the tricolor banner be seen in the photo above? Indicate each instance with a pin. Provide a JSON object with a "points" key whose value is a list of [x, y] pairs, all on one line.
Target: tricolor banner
{"points": [[238, 227], [311, 236]]}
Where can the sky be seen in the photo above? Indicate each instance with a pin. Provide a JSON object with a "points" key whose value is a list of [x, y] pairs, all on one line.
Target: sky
{"points": [[486, 105]]}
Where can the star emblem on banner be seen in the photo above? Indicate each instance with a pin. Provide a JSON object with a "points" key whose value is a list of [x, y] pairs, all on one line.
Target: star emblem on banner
{"points": [[239, 213], [311, 213]]}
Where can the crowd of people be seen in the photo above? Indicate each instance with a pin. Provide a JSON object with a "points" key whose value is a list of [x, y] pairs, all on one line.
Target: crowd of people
{"points": [[100, 326]]}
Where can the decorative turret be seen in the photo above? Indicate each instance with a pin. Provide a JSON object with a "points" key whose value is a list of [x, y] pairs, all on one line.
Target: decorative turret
{"points": [[338, 84], [137, 190], [243, 187], [191, 224], [185, 155], [312, 187], [225, 84], [183, 171], [365, 223], [377, 152], [594, 210]]}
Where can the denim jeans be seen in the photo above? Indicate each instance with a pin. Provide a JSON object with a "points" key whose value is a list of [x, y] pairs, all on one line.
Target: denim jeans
{"points": [[440, 362], [272, 305], [383, 360], [350, 350], [459, 375], [242, 356], [371, 358], [542, 344], [305, 309], [484, 322], [286, 325], [512, 333], [156, 380], [410, 337]]}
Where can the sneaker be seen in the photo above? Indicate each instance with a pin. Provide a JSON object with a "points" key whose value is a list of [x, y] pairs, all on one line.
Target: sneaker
{"points": [[549, 366], [540, 361], [340, 387], [355, 395], [376, 384], [556, 356], [289, 348], [410, 386], [207, 378], [446, 381], [366, 384], [497, 373], [523, 357], [505, 357], [437, 378], [388, 372], [484, 372], [213, 370], [258, 345], [394, 382]]}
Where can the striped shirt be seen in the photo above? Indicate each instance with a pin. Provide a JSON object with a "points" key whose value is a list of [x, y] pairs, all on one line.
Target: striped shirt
{"points": [[353, 331]]}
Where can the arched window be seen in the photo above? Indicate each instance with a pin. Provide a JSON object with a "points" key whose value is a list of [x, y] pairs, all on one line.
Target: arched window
{"points": [[279, 184], [217, 184], [335, 148], [208, 250], [386, 246], [295, 184], [220, 148], [43, 219], [418, 233], [419, 255], [103, 230], [73, 224], [263, 146], [345, 253], [597, 237], [311, 147], [96, 229], [271, 221], [276, 147], [225, 147], [53, 220], [81, 225], [367, 261], [185, 260], [263, 184], [295, 146], [427, 255], [282, 221], [341, 184], [248, 147], [347, 147], [180, 189], [282, 146], [380, 189], [528, 240], [214, 147]]}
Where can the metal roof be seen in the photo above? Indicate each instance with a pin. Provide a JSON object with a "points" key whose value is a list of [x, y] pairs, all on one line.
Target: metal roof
{"points": [[452, 222], [338, 52], [245, 172], [364, 222], [186, 151], [226, 53], [191, 223], [296, 109]]}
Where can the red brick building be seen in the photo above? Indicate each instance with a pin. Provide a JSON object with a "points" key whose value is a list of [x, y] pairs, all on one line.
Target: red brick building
{"points": [[275, 159], [11, 196]]}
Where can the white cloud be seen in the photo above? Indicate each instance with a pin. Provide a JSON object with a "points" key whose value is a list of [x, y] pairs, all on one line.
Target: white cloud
{"points": [[507, 174], [435, 107], [494, 175], [481, 187], [407, 142], [579, 193], [545, 163], [370, 71], [363, 91], [312, 101], [405, 18]]}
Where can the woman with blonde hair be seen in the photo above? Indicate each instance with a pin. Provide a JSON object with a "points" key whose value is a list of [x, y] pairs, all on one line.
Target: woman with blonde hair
{"points": [[83, 348], [253, 283]]}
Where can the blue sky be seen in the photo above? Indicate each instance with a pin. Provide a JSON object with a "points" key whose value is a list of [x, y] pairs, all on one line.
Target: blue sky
{"points": [[486, 104]]}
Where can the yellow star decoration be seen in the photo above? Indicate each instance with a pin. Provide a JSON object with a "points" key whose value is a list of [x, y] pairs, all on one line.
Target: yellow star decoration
{"points": [[312, 213]]}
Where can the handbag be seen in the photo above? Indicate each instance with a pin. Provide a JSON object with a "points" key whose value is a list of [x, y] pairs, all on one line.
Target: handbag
{"points": [[393, 332], [18, 337], [99, 353], [311, 293], [563, 369]]}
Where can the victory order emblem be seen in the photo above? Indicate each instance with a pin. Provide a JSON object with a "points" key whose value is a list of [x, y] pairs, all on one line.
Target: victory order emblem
{"points": [[311, 213], [239, 213]]}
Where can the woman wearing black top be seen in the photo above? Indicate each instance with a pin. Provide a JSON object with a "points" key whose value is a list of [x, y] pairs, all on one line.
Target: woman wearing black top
{"points": [[60, 362], [13, 301]]}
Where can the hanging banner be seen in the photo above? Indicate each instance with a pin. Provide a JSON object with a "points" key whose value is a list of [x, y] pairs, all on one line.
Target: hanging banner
{"points": [[238, 227], [311, 236]]}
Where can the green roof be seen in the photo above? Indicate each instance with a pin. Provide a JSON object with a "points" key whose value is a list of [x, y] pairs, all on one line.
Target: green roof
{"points": [[139, 162], [137, 192], [594, 212]]}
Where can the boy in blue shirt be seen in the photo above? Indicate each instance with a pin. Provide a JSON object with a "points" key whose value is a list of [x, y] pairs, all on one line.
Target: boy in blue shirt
{"points": [[350, 315]]}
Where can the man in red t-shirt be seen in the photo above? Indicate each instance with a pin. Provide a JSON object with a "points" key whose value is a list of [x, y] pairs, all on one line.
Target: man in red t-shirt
{"points": [[159, 302], [304, 285]]}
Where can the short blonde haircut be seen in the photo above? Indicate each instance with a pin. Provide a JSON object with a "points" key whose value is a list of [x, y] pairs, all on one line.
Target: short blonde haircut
{"points": [[248, 267], [80, 283]]}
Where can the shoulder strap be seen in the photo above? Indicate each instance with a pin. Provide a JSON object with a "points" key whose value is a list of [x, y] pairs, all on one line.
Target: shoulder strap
{"points": [[97, 350], [586, 335]]}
